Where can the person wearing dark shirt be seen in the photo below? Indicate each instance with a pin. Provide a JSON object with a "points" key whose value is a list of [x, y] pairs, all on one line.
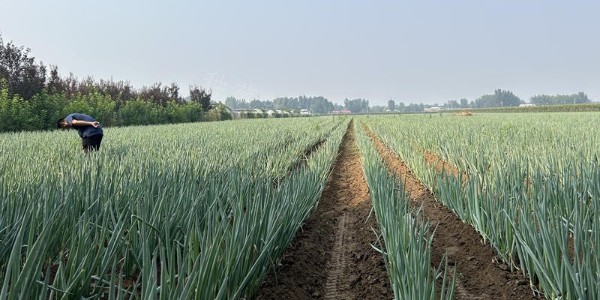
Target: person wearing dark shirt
{"points": [[88, 128]]}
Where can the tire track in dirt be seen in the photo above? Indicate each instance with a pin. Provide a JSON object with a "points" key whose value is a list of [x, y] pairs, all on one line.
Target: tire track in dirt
{"points": [[478, 276], [336, 264], [331, 256]]}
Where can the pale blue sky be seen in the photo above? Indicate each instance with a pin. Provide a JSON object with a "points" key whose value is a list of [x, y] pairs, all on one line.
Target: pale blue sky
{"points": [[410, 51]]}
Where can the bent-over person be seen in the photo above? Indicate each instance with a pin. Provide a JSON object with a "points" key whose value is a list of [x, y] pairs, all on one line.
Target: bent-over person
{"points": [[88, 128]]}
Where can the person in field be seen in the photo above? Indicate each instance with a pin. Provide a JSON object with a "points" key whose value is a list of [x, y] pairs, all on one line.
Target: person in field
{"points": [[88, 128]]}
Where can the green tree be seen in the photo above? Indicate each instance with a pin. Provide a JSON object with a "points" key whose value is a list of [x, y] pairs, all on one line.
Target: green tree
{"points": [[15, 113], [464, 103], [377, 109], [139, 112], [175, 113], [219, 112], [560, 99], [401, 107], [507, 98], [414, 107], [201, 97], [500, 98], [23, 75], [102, 107], [320, 105], [581, 97], [452, 104], [47, 108], [77, 105], [391, 106], [286, 103], [357, 105]]}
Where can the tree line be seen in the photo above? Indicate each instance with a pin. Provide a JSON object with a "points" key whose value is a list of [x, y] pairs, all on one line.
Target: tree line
{"points": [[33, 97], [320, 105], [500, 98], [317, 105], [578, 98]]}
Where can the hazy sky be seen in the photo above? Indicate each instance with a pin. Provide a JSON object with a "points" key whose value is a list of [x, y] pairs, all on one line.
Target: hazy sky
{"points": [[410, 51]]}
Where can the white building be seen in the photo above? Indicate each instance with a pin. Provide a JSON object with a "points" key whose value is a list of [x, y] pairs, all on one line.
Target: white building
{"points": [[433, 109], [305, 112]]}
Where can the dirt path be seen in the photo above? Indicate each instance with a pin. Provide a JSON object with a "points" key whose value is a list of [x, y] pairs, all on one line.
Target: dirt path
{"points": [[331, 256], [479, 276]]}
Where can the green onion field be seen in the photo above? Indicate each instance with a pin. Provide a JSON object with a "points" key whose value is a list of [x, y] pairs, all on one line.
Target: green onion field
{"points": [[207, 210]]}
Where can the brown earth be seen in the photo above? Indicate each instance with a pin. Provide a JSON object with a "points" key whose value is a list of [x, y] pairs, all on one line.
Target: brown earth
{"points": [[464, 114], [331, 256], [478, 273], [441, 165]]}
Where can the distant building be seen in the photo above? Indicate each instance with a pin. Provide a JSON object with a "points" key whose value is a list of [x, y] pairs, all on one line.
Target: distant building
{"points": [[305, 112], [526, 104], [433, 109]]}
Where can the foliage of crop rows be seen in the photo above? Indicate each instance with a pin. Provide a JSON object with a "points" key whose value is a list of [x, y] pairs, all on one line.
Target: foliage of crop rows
{"points": [[188, 211], [407, 239], [529, 183]]}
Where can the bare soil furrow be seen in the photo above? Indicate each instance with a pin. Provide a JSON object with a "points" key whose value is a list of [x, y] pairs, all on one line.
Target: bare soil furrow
{"points": [[331, 256]]}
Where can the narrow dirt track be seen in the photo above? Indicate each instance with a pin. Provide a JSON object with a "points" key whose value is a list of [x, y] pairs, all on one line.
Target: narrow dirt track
{"points": [[479, 276], [331, 256]]}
